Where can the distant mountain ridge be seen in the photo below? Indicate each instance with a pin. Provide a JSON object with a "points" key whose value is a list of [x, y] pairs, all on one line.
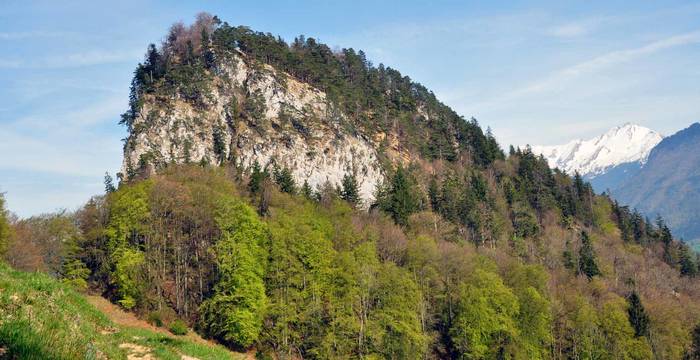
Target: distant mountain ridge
{"points": [[641, 169], [627, 143], [669, 183]]}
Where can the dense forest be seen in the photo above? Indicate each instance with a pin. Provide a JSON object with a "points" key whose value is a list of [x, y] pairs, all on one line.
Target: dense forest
{"points": [[467, 253]]}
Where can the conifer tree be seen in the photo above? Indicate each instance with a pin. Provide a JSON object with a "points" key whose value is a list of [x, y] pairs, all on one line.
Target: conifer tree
{"points": [[434, 195], [257, 176], [586, 262], [109, 184], [569, 262], [350, 191], [637, 315], [284, 179], [401, 200], [306, 190], [687, 260]]}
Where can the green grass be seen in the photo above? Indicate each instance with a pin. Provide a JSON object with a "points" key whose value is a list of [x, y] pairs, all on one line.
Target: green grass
{"points": [[40, 318]]}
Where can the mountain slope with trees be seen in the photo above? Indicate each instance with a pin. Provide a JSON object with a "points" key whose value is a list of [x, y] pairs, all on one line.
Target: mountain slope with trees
{"points": [[668, 183], [462, 251]]}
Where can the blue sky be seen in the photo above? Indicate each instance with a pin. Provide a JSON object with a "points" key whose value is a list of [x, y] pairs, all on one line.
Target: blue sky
{"points": [[536, 72]]}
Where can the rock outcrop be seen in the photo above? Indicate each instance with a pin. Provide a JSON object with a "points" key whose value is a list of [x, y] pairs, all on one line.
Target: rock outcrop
{"points": [[253, 112]]}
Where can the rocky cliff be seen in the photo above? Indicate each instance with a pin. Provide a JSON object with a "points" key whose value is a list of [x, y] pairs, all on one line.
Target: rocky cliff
{"points": [[213, 93], [254, 113]]}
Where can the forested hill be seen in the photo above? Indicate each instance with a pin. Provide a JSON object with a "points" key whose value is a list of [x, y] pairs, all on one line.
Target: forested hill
{"points": [[306, 204], [245, 96]]}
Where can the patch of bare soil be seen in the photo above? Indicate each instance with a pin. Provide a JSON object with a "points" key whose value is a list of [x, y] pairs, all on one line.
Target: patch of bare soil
{"points": [[127, 319], [119, 316], [137, 352]]}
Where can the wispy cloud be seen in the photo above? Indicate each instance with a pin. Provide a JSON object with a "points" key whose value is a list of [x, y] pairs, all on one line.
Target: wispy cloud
{"points": [[23, 35], [67, 143], [79, 59], [76, 120], [580, 28], [562, 77], [569, 30]]}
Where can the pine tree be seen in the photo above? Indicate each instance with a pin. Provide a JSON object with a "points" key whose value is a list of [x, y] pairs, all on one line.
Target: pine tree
{"points": [[670, 256], [306, 190], [434, 194], [109, 184], [638, 227], [666, 236], [207, 54], [401, 199], [350, 191], [586, 262], [256, 178], [284, 179], [219, 145], [569, 262], [687, 260], [637, 315]]}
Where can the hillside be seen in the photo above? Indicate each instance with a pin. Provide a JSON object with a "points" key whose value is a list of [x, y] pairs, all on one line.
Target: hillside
{"points": [[248, 97], [43, 319], [299, 202], [668, 183]]}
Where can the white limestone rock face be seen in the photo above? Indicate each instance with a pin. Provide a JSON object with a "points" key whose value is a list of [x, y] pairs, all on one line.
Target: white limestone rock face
{"points": [[294, 126]]}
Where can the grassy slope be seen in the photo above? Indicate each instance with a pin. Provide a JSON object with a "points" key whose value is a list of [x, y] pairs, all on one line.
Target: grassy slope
{"points": [[43, 319]]}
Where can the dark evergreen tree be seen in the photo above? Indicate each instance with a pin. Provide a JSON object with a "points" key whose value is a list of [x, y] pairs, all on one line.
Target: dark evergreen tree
{"points": [[637, 315], [350, 191], [686, 259], [219, 145], [401, 200], [207, 54], [257, 176], [306, 190], [434, 194], [285, 180], [568, 256], [638, 226], [586, 258], [670, 256], [109, 184]]}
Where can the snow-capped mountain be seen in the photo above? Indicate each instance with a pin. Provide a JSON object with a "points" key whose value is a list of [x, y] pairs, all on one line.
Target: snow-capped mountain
{"points": [[628, 143]]}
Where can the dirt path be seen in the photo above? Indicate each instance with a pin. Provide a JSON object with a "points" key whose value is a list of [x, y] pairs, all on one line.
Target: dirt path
{"points": [[127, 319]]}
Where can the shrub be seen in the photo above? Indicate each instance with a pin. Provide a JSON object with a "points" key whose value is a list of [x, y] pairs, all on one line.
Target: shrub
{"points": [[178, 327], [155, 318]]}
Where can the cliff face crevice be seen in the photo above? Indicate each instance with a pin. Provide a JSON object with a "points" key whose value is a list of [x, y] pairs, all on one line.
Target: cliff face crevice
{"points": [[253, 112]]}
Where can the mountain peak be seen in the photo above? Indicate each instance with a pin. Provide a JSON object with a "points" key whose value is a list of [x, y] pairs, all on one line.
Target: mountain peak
{"points": [[624, 143]]}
